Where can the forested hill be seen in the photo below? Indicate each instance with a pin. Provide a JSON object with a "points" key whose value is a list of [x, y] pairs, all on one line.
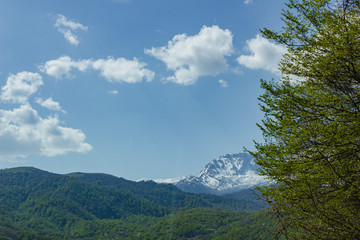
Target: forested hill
{"points": [[36, 203], [166, 195]]}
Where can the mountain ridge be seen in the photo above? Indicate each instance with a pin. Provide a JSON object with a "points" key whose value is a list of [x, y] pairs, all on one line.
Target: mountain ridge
{"points": [[226, 174]]}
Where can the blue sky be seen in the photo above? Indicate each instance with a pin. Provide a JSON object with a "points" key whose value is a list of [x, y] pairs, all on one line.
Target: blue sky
{"points": [[134, 88]]}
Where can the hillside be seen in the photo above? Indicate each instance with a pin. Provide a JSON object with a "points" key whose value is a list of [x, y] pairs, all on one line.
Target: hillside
{"points": [[36, 204], [166, 195]]}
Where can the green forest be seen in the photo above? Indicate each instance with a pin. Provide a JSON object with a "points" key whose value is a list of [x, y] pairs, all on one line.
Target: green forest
{"points": [[36, 204]]}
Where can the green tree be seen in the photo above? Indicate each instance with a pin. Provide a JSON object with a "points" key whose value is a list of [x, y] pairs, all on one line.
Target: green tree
{"points": [[312, 122]]}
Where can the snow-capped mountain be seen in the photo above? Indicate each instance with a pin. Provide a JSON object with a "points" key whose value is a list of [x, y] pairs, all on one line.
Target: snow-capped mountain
{"points": [[169, 180], [226, 174]]}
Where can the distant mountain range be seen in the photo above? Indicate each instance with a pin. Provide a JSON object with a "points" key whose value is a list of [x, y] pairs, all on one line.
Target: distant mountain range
{"points": [[227, 174]]}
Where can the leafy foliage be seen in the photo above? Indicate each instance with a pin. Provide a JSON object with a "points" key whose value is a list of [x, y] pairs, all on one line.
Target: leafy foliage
{"points": [[311, 126]]}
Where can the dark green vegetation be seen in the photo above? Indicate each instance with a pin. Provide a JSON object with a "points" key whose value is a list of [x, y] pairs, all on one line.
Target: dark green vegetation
{"points": [[248, 195], [312, 126], [35, 204]]}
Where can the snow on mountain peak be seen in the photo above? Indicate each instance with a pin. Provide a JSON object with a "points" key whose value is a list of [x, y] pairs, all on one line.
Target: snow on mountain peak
{"points": [[228, 173]]}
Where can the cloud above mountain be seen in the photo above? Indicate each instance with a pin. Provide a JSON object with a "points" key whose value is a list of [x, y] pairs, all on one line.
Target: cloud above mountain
{"points": [[61, 67], [191, 57], [23, 132], [112, 69], [20, 87], [69, 28], [50, 104], [123, 70]]}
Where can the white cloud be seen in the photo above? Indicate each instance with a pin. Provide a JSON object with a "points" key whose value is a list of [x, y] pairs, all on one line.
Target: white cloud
{"points": [[23, 132], [114, 92], [69, 36], [248, 1], [123, 70], [265, 54], [223, 83], [113, 70], [67, 28], [62, 66], [50, 104], [193, 56], [62, 21], [20, 87]]}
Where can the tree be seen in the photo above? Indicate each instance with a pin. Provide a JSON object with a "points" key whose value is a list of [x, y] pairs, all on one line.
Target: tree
{"points": [[312, 122]]}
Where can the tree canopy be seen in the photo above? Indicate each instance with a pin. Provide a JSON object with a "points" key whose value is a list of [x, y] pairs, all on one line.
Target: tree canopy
{"points": [[312, 122]]}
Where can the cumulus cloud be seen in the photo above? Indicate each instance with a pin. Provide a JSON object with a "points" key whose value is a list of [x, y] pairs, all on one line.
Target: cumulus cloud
{"points": [[68, 28], [248, 1], [113, 70], [193, 56], [62, 66], [265, 54], [23, 132], [20, 87], [223, 83], [123, 70], [50, 104]]}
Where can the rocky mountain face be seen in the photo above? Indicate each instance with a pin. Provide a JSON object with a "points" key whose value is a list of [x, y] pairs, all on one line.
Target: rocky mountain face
{"points": [[226, 174]]}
